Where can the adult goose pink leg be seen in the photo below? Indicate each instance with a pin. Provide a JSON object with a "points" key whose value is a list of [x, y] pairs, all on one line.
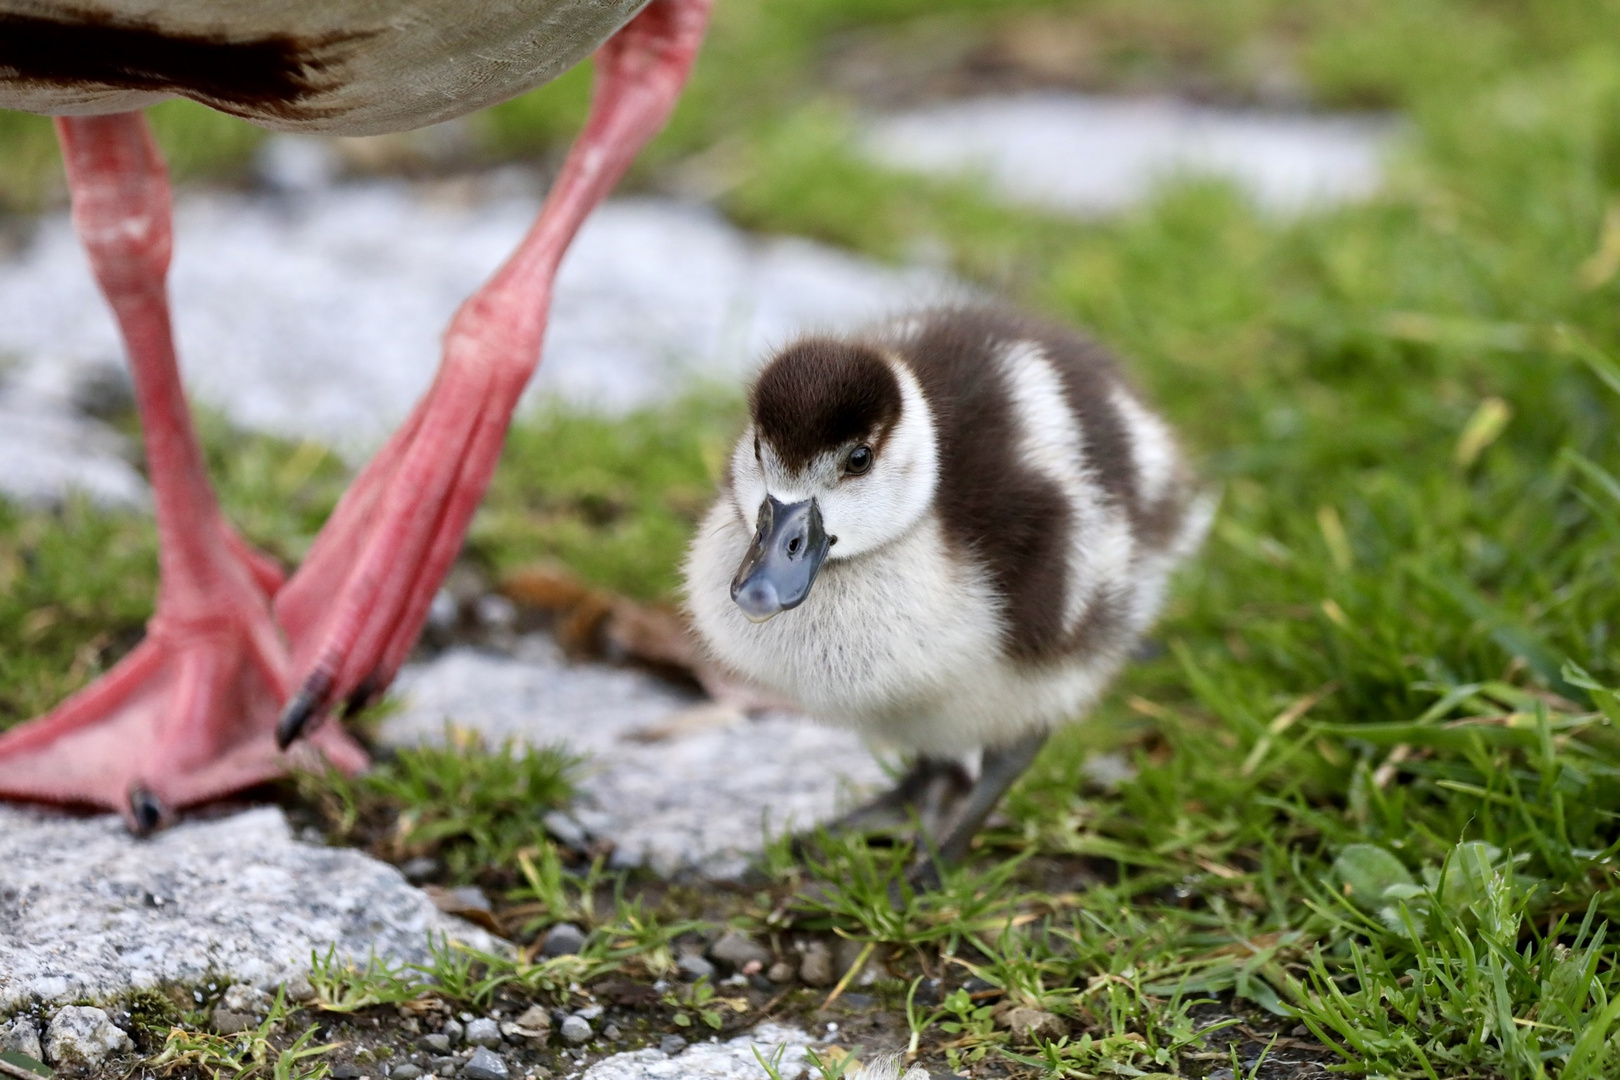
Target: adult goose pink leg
{"points": [[188, 715], [358, 602]]}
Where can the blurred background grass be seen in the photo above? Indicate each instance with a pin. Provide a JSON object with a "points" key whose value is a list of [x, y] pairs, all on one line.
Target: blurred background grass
{"points": [[1411, 405]]}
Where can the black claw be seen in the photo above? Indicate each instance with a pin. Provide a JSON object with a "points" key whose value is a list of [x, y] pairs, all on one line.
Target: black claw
{"points": [[145, 809], [301, 709], [363, 695]]}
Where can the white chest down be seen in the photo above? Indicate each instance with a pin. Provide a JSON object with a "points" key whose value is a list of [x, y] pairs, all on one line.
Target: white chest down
{"points": [[905, 644]]}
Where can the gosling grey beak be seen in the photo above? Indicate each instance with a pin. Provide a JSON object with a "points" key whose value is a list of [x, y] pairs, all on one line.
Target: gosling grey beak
{"points": [[781, 563]]}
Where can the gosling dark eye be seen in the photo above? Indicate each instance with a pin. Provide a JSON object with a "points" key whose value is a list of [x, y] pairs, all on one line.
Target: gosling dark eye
{"points": [[859, 461]]}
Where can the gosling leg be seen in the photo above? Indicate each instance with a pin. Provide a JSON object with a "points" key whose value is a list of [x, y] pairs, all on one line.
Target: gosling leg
{"points": [[1001, 768]]}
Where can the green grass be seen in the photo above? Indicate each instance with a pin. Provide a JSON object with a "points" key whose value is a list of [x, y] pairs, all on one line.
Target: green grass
{"points": [[1376, 771], [472, 808], [614, 499]]}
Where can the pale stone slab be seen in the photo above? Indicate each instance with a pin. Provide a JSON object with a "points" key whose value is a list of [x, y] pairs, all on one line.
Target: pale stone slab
{"points": [[1090, 155], [88, 911], [697, 803]]}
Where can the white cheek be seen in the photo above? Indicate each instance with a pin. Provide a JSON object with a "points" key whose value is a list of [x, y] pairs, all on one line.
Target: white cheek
{"points": [[869, 511], [747, 481]]}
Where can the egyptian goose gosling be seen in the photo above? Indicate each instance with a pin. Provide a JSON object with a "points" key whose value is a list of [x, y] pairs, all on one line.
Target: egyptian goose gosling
{"points": [[946, 532]]}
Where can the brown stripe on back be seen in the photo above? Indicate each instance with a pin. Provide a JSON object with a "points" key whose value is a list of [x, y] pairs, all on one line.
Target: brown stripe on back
{"points": [[1005, 515], [89, 48], [819, 394], [1089, 376]]}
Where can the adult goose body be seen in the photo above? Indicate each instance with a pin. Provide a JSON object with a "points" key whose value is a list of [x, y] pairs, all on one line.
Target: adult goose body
{"points": [[947, 532], [241, 661]]}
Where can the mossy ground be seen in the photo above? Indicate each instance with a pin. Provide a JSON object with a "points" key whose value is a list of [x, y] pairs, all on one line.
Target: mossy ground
{"points": [[1376, 774]]}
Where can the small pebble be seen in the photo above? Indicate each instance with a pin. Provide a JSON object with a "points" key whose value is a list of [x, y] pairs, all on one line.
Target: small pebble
{"points": [[576, 1030], [81, 1037], [780, 972], [436, 1043], [445, 1061], [611, 1033], [672, 1045], [564, 939], [21, 1036], [299, 989], [816, 969], [1028, 1024], [566, 831], [589, 1012], [485, 1065], [469, 898], [736, 950], [533, 1017], [694, 968], [495, 612], [225, 1022], [420, 869], [453, 1031], [242, 998], [345, 1071], [847, 955], [407, 1071], [484, 1032]]}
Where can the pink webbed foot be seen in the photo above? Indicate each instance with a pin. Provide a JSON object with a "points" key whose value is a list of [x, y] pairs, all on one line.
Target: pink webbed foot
{"points": [[357, 604], [190, 714]]}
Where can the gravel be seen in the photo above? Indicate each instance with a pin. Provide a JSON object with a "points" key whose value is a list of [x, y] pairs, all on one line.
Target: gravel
{"points": [[88, 911]]}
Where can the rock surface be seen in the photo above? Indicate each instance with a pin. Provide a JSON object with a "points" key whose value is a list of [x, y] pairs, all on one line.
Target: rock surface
{"points": [[732, 1060], [48, 447], [321, 315], [1087, 155], [698, 802], [88, 911]]}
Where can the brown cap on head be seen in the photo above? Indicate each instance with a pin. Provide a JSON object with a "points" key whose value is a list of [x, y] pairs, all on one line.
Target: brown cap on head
{"points": [[818, 394]]}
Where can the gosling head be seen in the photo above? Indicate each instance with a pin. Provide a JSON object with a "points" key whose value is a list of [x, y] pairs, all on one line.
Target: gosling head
{"points": [[839, 460]]}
